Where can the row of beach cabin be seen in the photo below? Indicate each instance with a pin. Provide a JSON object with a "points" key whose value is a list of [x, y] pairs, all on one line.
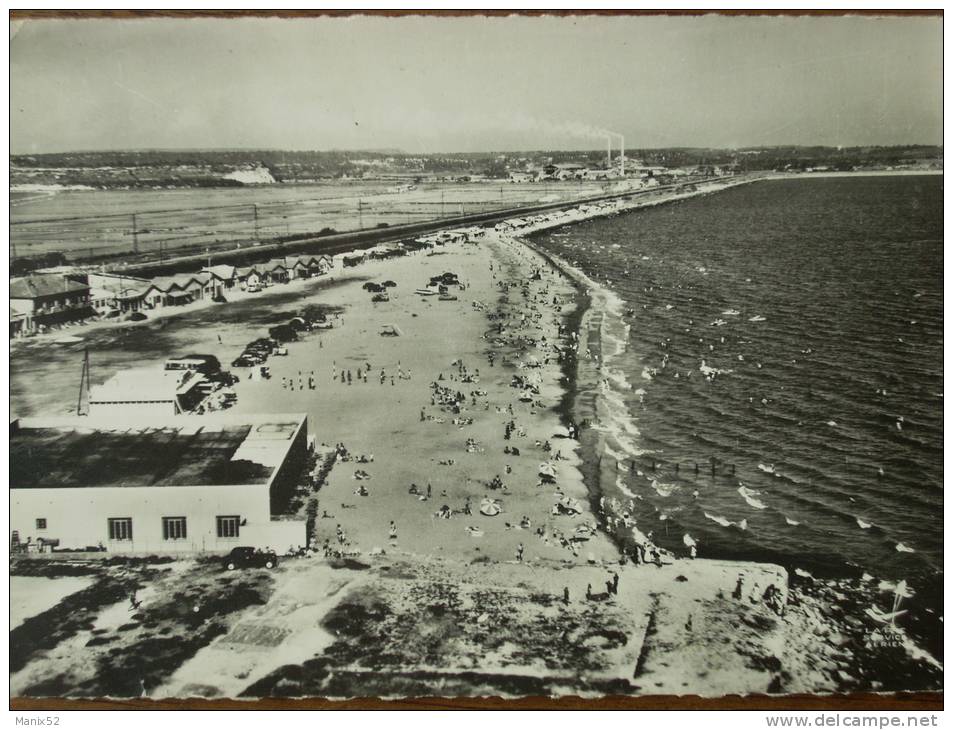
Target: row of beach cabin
{"points": [[54, 298], [44, 300], [113, 292]]}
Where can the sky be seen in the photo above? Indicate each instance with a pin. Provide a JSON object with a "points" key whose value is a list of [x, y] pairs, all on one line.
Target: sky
{"points": [[474, 84]]}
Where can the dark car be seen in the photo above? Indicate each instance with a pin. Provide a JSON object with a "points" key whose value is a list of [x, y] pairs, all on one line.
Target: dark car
{"points": [[249, 557]]}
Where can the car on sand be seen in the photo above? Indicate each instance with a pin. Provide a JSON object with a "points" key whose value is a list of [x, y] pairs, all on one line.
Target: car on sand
{"points": [[249, 557]]}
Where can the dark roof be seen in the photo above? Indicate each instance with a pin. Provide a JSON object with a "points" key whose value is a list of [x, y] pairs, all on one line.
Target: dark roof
{"points": [[182, 281], [53, 457], [43, 285]]}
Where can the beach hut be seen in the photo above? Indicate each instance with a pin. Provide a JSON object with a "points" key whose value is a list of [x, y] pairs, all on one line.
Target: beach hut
{"points": [[275, 271], [310, 265], [296, 266], [248, 277], [224, 276], [171, 291]]}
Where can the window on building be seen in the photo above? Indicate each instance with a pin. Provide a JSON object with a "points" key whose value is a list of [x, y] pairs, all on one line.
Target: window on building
{"points": [[120, 528], [173, 528], [227, 526], [40, 523]]}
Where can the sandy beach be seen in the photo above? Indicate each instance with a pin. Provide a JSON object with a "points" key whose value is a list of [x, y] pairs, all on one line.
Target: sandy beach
{"points": [[391, 409]]}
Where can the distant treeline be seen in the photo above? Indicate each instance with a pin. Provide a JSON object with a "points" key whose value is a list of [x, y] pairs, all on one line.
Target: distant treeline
{"points": [[25, 264], [191, 168]]}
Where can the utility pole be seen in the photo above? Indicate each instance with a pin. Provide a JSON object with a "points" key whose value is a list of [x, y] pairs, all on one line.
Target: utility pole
{"points": [[84, 386], [442, 214], [135, 235], [257, 234], [360, 215]]}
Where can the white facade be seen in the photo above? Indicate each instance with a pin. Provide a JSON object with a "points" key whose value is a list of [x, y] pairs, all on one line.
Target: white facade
{"points": [[162, 518], [80, 517]]}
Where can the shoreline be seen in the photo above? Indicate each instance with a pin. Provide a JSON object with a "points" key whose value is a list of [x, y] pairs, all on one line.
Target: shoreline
{"points": [[814, 580], [592, 301]]}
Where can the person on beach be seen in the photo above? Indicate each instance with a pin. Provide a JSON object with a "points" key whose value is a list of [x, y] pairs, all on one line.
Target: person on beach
{"points": [[566, 595], [589, 591], [519, 553], [392, 533]]}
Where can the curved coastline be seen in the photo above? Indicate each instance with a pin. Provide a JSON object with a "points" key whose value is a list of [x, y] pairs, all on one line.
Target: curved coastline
{"points": [[588, 375], [823, 587]]}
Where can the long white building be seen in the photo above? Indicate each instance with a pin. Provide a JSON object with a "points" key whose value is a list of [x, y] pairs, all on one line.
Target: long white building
{"points": [[188, 484]]}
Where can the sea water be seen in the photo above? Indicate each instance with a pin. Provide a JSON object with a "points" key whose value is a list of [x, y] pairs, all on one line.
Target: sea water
{"points": [[786, 337]]}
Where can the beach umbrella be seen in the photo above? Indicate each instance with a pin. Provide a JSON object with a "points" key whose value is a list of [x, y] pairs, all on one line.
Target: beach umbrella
{"points": [[490, 508], [688, 540]]}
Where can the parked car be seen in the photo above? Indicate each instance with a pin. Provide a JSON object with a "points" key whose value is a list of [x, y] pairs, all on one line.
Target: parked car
{"points": [[249, 557]]}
